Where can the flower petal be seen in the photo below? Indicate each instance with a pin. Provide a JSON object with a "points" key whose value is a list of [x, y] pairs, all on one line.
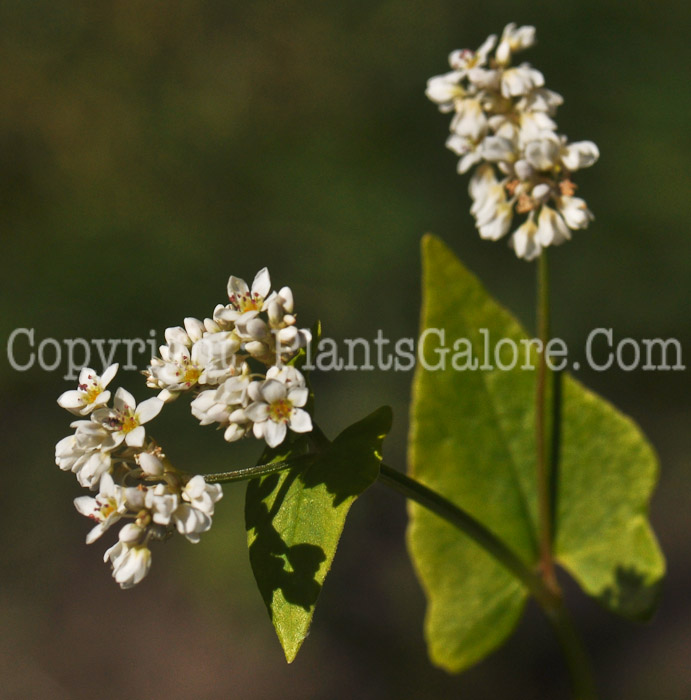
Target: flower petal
{"points": [[149, 409], [274, 433], [135, 438], [273, 390], [262, 283], [108, 375], [300, 421], [257, 412]]}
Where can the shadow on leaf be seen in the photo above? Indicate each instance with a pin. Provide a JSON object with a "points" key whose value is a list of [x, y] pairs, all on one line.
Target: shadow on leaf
{"points": [[631, 596], [290, 569], [351, 463]]}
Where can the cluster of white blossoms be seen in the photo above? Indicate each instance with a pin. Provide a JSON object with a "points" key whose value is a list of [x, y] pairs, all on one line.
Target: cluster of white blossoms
{"points": [[503, 124], [110, 452], [212, 359], [215, 361]]}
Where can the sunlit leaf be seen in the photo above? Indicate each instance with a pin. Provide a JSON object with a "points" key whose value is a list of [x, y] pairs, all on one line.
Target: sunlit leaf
{"points": [[473, 440], [294, 521]]}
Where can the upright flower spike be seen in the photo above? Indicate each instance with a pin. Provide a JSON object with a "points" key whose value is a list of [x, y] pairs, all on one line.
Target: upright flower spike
{"points": [[503, 122]]}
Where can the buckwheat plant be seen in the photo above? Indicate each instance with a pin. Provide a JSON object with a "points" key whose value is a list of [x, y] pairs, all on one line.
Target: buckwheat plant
{"points": [[518, 475]]}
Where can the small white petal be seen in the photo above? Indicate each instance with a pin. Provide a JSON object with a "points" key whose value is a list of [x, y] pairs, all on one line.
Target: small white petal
{"points": [[237, 286], [543, 154], [551, 228], [273, 390], [300, 421], [524, 241], [149, 409], [262, 283], [274, 433], [109, 374], [72, 400], [135, 438], [298, 396], [257, 412]]}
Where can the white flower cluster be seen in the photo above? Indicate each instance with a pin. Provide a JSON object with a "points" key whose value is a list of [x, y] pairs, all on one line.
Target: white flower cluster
{"points": [[110, 451], [503, 123], [212, 357]]}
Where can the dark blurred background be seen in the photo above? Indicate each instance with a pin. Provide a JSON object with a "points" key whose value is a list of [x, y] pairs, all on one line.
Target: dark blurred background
{"points": [[151, 149]]}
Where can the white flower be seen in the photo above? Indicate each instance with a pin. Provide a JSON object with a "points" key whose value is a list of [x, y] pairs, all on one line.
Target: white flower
{"points": [[581, 154], [514, 39], [201, 495], [543, 154], [520, 80], [524, 241], [540, 100], [445, 90], [161, 502], [498, 223], [485, 79], [90, 392], [469, 121], [225, 405], [127, 418], [242, 299], [486, 192], [193, 516], [551, 228], [575, 212], [130, 559], [467, 149], [106, 508], [150, 464], [276, 406], [496, 149], [87, 452], [464, 59], [191, 522], [207, 360]]}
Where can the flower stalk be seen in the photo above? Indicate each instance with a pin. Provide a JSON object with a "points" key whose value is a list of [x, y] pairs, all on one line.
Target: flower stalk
{"points": [[542, 430]]}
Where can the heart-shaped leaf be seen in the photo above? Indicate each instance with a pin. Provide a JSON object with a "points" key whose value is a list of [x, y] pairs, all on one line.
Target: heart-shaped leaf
{"points": [[473, 440]]}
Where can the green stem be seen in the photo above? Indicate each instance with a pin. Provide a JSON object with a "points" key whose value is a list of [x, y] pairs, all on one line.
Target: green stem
{"points": [[471, 527], [575, 654], [544, 504], [258, 470], [549, 599]]}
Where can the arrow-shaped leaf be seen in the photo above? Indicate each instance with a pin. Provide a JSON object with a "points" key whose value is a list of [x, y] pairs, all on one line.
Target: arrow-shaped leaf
{"points": [[473, 439], [294, 521]]}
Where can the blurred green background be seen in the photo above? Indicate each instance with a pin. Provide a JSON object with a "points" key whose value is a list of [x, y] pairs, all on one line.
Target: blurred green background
{"points": [[151, 149]]}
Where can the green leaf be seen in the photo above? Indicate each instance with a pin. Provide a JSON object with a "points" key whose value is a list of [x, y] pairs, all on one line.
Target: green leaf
{"points": [[294, 520], [473, 440]]}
